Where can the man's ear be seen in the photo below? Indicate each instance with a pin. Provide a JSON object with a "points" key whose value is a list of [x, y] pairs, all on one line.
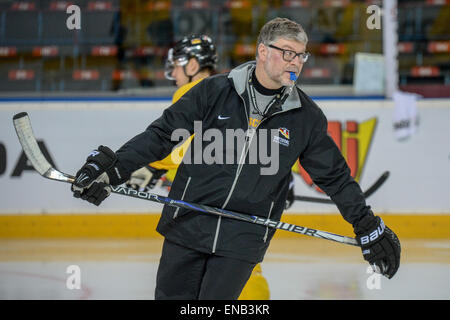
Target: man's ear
{"points": [[262, 52], [192, 67]]}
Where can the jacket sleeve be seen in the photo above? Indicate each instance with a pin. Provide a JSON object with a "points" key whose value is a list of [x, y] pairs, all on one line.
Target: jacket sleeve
{"points": [[155, 143], [328, 169]]}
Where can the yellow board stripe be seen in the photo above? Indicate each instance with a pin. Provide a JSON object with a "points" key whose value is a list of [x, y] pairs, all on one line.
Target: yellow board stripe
{"points": [[404, 225], [144, 225], [74, 226]]}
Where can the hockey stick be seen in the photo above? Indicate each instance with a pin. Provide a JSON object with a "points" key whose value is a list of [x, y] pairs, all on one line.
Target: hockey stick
{"points": [[367, 193], [29, 144]]}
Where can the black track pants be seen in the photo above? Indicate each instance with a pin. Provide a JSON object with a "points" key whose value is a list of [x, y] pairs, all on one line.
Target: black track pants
{"points": [[184, 273]]}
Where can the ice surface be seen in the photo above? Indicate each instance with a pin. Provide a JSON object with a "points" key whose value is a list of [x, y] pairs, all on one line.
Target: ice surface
{"points": [[295, 269]]}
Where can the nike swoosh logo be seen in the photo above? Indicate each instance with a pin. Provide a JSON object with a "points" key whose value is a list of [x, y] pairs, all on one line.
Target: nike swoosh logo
{"points": [[222, 118]]}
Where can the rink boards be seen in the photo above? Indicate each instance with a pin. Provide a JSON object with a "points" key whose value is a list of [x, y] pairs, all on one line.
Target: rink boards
{"points": [[414, 200]]}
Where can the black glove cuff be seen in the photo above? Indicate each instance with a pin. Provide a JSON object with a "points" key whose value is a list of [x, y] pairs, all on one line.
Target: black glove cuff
{"points": [[116, 175], [105, 160]]}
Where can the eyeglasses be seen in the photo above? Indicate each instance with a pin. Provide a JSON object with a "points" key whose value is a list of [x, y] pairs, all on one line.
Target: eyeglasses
{"points": [[289, 55]]}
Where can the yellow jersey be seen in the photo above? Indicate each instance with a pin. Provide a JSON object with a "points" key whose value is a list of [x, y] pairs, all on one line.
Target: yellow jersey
{"points": [[173, 160]]}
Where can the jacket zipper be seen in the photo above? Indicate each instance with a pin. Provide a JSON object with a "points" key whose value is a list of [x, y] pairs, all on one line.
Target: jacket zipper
{"points": [[268, 217], [182, 197], [238, 172], [216, 236]]}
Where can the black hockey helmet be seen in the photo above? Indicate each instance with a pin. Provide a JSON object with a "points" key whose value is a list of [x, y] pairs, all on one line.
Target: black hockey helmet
{"points": [[200, 47]]}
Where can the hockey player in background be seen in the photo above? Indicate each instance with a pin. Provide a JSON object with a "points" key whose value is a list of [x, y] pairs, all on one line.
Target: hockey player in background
{"points": [[191, 60], [210, 257]]}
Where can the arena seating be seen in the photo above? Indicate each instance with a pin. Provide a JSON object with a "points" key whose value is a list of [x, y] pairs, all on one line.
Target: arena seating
{"points": [[122, 43]]}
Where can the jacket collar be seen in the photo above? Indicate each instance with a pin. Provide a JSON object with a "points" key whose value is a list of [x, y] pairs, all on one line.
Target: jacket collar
{"points": [[240, 76]]}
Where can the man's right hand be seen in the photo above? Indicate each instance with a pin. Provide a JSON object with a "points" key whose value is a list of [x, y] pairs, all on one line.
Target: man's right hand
{"points": [[92, 181], [145, 178]]}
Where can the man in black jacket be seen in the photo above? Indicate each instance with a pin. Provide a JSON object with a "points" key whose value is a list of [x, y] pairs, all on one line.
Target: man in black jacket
{"points": [[254, 110]]}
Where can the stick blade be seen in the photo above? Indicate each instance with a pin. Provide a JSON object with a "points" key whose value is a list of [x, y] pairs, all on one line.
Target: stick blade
{"points": [[22, 124]]}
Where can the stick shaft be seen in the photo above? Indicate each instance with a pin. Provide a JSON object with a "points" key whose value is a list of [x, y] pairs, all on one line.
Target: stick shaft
{"points": [[29, 144], [234, 215]]}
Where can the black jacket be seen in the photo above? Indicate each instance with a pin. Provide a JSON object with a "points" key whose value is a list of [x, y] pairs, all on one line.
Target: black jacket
{"points": [[221, 102]]}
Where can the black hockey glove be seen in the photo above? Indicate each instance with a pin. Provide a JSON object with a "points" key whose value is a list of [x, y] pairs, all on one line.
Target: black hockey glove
{"points": [[290, 196], [93, 179], [379, 244], [145, 178]]}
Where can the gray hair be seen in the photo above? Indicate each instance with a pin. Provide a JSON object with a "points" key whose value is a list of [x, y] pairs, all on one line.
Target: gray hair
{"points": [[281, 28]]}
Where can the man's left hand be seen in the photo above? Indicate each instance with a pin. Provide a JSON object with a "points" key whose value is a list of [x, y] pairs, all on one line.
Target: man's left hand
{"points": [[379, 244]]}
